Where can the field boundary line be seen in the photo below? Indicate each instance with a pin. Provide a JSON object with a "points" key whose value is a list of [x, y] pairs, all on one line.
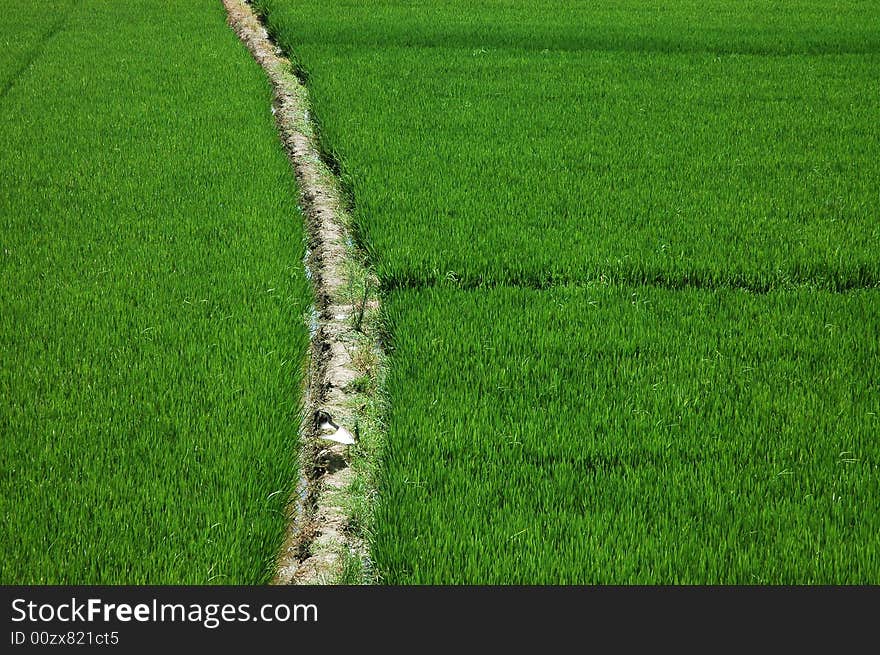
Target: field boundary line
{"points": [[325, 541], [36, 52]]}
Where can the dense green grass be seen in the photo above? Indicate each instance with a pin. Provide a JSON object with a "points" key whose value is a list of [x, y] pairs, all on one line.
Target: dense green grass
{"points": [[25, 27], [150, 252], [617, 435], [716, 26], [612, 430], [152, 287], [704, 144]]}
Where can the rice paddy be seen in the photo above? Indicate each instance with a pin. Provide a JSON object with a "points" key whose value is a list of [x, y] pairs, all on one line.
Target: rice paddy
{"points": [[612, 435], [629, 258], [630, 263], [735, 146], [153, 293]]}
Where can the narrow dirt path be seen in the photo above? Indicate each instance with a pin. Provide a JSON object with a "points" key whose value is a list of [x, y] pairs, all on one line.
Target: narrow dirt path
{"points": [[318, 539]]}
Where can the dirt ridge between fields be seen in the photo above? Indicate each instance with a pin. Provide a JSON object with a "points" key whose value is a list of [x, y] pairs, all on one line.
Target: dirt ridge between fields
{"points": [[319, 538]]}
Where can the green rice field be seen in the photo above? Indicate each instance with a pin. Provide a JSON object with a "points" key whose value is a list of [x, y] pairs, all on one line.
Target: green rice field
{"points": [[629, 265], [25, 27], [630, 255], [151, 330], [632, 436], [711, 144]]}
